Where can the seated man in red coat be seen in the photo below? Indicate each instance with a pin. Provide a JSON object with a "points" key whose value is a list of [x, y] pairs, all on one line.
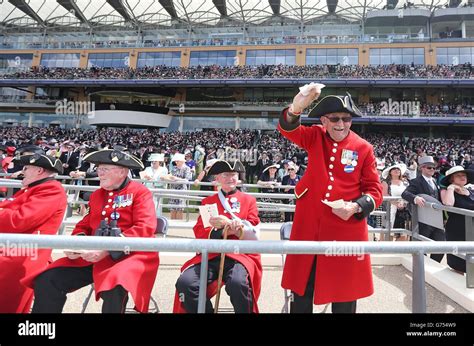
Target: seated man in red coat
{"points": [[242, 273], [38, 208], [341, 166], [119, 208]]}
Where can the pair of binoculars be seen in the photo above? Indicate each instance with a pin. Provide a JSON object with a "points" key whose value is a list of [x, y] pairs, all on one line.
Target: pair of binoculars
{"points": [[110, 230]]}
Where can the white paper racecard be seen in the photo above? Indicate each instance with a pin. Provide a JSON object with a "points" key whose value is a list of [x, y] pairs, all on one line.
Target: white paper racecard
{"points": [[207, 211], [306, 89], [335, 204]]}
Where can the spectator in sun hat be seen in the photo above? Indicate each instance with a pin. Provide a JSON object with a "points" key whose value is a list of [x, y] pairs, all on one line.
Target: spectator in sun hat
{"points": [[457, 194], [425, 184], [179, 172], [291, 179], [393, 185], [156, 171], [269, 181]]}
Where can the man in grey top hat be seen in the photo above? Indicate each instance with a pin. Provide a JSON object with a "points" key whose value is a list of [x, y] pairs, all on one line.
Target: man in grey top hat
{"points": [[425, 184]]}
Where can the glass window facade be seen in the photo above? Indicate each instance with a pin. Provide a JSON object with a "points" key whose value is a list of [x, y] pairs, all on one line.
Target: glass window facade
{"points": [[271, 57], [60, 59], [38, 120], [15, 61], [210, 94], [193, 123], [341, 56], [259, 124], [405, 56], [269, 94], [115, 60], [200, 123], [454, 55], [220, 58], [160, 58]]}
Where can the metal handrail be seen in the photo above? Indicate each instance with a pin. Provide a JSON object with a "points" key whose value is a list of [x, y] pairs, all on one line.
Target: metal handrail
{"points": [[157, 182], [206, 246]]}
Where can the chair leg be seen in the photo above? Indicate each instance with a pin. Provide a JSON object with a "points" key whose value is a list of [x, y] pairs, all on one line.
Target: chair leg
{"points": [[155, 309], [285, 310], [88, 298]]}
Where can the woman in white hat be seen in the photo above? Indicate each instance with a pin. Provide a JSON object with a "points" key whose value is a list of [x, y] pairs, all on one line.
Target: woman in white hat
{"points": [[393, 185], [457, 195], [179, 172], [155, 172]]}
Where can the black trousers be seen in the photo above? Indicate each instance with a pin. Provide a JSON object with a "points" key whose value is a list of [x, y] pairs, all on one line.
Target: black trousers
{"points": [[52, 286], [304, 304], [235, 277], [250, 174], [435, 234]]}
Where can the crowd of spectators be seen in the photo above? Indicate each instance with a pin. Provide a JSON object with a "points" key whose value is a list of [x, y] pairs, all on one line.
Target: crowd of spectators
{"points": [[216, 143], [418, 108], [465, 71]]}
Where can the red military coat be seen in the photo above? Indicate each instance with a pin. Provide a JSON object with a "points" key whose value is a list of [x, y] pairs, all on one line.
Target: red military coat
{"points": [[37, 209], [252, 262], [328, 176], [136, 272]]}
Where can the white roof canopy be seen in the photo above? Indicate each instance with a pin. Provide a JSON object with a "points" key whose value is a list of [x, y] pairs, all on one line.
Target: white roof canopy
{"points": [[139, 13]]}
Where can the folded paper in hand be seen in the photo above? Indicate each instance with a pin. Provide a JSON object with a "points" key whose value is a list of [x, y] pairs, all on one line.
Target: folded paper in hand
{"points": [[335, 204], [207, 211], [306, 89], [74, 251]]}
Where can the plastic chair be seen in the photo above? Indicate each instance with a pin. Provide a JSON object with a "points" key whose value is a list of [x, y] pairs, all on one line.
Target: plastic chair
{"points": [[161, 229], [285, 233]]}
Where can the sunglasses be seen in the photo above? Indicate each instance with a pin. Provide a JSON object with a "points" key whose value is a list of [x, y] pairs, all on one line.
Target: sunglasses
{"points": [[430, 167], [336, 119], [291, 169]]}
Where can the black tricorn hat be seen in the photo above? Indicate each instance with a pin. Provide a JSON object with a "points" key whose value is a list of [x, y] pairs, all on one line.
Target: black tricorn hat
{"points": [[222, 166], [29, 148], [335, 104], [40, 160], [114, 157]]}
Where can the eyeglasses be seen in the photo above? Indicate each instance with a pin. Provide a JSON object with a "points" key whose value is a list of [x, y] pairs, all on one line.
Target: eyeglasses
{"points": [[229, 175], [336, 119], [291, 169], [429, 167], [104, 169]]}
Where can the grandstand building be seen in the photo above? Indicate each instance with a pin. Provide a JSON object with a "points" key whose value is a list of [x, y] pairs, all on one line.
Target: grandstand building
{"points": [[187, 65]]}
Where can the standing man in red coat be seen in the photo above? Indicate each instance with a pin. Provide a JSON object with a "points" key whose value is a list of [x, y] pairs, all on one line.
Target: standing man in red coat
{"points": [[127, 207], [242, 272], [38, 208], [341, 166]]}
